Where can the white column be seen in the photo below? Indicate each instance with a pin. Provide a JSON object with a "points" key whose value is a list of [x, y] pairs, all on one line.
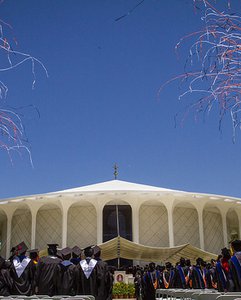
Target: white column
{"points": [[225, 232], [135, 224], [64, 225], [99, 211], [9, 232], [33, 228], [200, 226], [65, 204], [170, 226]]}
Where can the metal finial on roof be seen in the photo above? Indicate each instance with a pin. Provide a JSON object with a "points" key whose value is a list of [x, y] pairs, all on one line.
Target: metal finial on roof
{"points": [[115, 170]]}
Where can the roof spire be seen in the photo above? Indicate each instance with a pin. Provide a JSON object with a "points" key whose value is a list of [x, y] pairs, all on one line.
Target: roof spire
{"points": [[115, 171]]}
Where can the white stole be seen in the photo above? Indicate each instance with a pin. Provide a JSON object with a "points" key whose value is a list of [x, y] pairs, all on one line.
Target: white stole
{"points": [[20, 266], [88, 267]]}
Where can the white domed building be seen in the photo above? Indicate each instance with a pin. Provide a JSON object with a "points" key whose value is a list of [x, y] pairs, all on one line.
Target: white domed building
{"points": [[147, 215]]}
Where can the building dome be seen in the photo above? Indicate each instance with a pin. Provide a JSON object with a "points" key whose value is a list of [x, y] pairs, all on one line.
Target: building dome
{"points": [[151, 216]]}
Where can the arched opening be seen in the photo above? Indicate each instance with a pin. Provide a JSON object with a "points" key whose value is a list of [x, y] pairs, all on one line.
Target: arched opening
{"points": [[48, 226], [82, 225], [213, 229], [232, 225], [117, 220], [185, 225], [153, 224], [21, 227]]}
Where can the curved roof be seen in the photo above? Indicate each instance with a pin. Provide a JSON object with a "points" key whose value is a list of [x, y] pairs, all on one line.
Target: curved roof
{"points": [[123, 187], [115, 185]]}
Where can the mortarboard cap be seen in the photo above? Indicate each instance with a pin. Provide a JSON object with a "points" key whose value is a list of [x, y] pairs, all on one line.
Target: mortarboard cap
{"points": [[53, 246], [76, 250], [96, 249], [88, 251], [33, 253], [21, 248], [66, 251]]}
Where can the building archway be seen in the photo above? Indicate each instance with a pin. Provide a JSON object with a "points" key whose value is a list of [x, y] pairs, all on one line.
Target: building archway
{"points": [[153, 224], [48, 226], [213, 229], [185, 225], [82, 225], [21, 226], [232, 225], [117, 219]]}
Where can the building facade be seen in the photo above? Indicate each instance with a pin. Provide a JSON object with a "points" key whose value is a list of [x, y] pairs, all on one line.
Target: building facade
{"points": [[93, 214]]}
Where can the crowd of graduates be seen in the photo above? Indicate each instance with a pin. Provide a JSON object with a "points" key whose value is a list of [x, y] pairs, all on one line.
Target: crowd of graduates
{"points": [[61, 272], [222, 274], [70, 272]]}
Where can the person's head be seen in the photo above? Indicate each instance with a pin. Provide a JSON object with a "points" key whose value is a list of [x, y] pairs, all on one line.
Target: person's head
{"points": [[33, 254], [199, 261], [188, 262], [219, 257], [76, 252], [208, 266], [89, 251], [97, 252], [52, 249], [182, 262], [236, 246], [152, 266], [213, 262], [226, 253], [168, 265], [66, 253], [203, 263], [21, 249]]}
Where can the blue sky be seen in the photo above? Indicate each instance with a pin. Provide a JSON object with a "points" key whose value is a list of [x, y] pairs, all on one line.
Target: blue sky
{"points": [[100, 104]]}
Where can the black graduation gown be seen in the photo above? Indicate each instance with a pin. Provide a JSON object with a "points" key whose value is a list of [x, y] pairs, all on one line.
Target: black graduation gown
{"points": [[167, 277], [104, 281], [179, 280], [22, 284], [235, 272], [87, 286], [65, 278], [150, 278], [6, 281], [197, 279], [45, 276]]}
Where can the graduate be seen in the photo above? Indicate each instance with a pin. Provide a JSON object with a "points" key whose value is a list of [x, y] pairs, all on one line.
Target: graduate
{"points": [[197, 275], [6, 281], [34, 255], [179, 279], [87, 274], [105, 277], [168, 275], [22, 272], [151, 282], [46, 272], [65, 274], [76, 252], [235, 266], [223, 272]]}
